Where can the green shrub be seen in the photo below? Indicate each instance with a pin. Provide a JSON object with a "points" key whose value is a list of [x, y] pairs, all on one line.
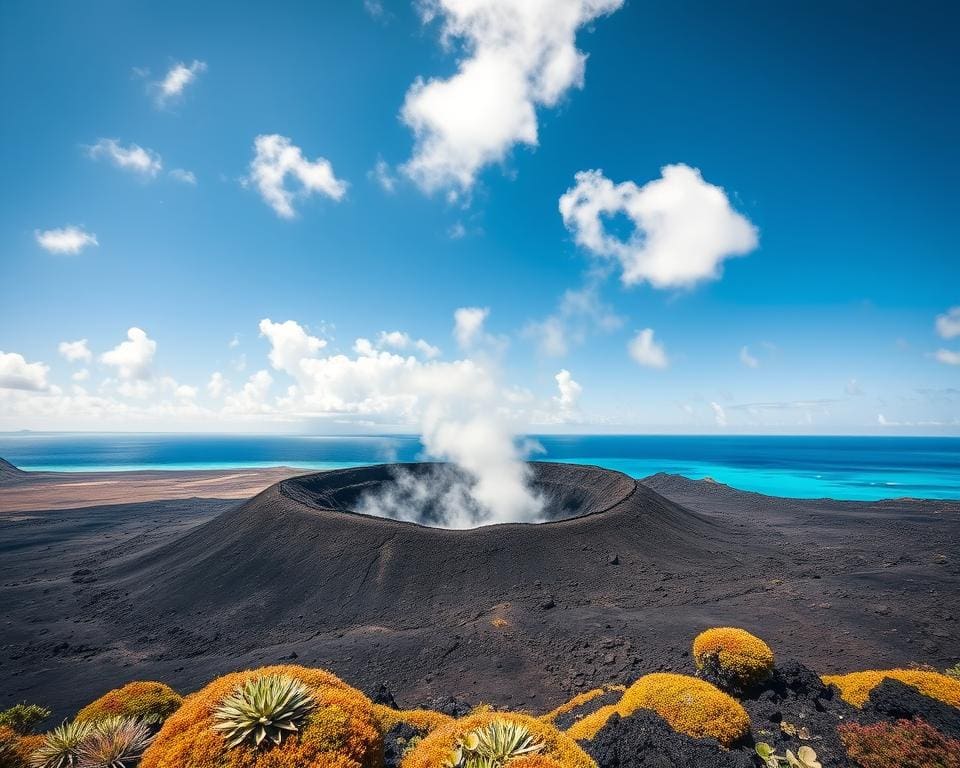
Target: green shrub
{"points": [[23, 718]]}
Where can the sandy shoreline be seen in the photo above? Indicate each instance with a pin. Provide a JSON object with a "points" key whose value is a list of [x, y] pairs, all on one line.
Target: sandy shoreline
{"points": [[38, 491]]}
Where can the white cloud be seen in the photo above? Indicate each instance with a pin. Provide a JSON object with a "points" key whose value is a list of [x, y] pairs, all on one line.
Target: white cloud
{"points": [[133, 157], [580, 313], [184, 176], [185, 391], [948, 324], [252, 399], [382, 174], [234, 342], [17, 373], [719, 414], [217, 385], [948, 356], [646, 351], [683, 227], [82, 375], [132, 358], [178, 77], [457, 231], [401, 341], [75, 350], [468, 325], [747, 359], [517, 56], [69, 239], [275, 159], [569, 393], [289, 344], [853, 388]]}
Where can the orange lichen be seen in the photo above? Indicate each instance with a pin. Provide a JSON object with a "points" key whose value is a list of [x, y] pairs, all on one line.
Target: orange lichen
{"points": [[744, 658], [689, 705], [150, 701], [560, 751], [341, 732], [499, 623], [579, 700], [425, 720], [535, 761], [855, 687], [15, 748]]}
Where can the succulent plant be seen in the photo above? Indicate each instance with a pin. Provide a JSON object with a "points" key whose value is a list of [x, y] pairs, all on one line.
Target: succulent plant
{"points": [[60, 746], [113, 742], [805, 757], [493, 746], [263, 710]]}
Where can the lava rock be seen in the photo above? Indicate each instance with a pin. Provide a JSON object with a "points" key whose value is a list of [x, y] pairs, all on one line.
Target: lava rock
{"points": [[396, 741], [893, 699], [381, 694], [644, 740], [449, 705]]}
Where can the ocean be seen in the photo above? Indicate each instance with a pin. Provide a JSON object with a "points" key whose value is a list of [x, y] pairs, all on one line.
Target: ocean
{"points": [[857, 468]]}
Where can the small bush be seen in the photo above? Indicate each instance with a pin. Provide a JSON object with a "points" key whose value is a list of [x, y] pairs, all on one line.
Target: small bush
{"points": [[423, 720], [113, 742], [905, 744], [60, 747], [341, 730], [733, 655], [150, 702], [558, 751], [855, 687], [23, 718], [578, 701], [16, 748], [690, 706]]}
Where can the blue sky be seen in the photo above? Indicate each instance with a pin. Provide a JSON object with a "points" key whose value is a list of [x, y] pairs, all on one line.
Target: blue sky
{"points": [[790, 270]]}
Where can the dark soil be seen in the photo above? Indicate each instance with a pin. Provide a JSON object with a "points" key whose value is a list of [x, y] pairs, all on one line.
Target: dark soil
{"points": [[518, 616]]}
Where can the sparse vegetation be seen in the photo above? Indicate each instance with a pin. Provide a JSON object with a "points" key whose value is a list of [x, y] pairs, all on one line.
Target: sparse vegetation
{"points": [[263, 710], [904, 744], [953, 672], [493, 746], [113, 742], [23, 718], [732, 656], [149, 701], [804, 758]]}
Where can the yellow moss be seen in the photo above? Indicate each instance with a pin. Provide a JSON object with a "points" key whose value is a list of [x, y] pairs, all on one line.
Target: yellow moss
{"points": [[149, 700], [420, 719], [499, 623], [855, 687], [578, 701], [689, 705], [341, 732], [560, 751], [535, 761], [742, 656]]}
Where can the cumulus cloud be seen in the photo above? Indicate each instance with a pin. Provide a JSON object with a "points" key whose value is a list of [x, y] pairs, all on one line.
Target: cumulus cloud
{"points": [[134, 158], [289, 344], [569, 394], [402, 341], [178, 77], [69, 239], [517, 56], [719, 415], [947, 356], [747, 359], [948, 324], [82, 375], [275, 159], [468, 325], [683, 227], [75, 350], [132, 358], [252, 398], [17, 373], [217, 385], [646, 351]]}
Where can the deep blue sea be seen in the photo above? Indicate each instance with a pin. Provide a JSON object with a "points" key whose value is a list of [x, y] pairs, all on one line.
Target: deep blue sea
{"points": [[802, 467]]}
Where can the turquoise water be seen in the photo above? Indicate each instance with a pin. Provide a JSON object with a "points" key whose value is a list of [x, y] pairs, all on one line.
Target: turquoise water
{"points": [[863, 468]]}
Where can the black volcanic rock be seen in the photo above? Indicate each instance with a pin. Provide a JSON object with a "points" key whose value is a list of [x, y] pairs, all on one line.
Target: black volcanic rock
{"points": [[899, 701], [644, 740]]}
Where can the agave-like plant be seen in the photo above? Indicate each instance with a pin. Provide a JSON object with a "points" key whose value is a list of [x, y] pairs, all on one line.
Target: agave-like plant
{"points": [[263, 710], [60, 746], [114, 742], [493, 746]]}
